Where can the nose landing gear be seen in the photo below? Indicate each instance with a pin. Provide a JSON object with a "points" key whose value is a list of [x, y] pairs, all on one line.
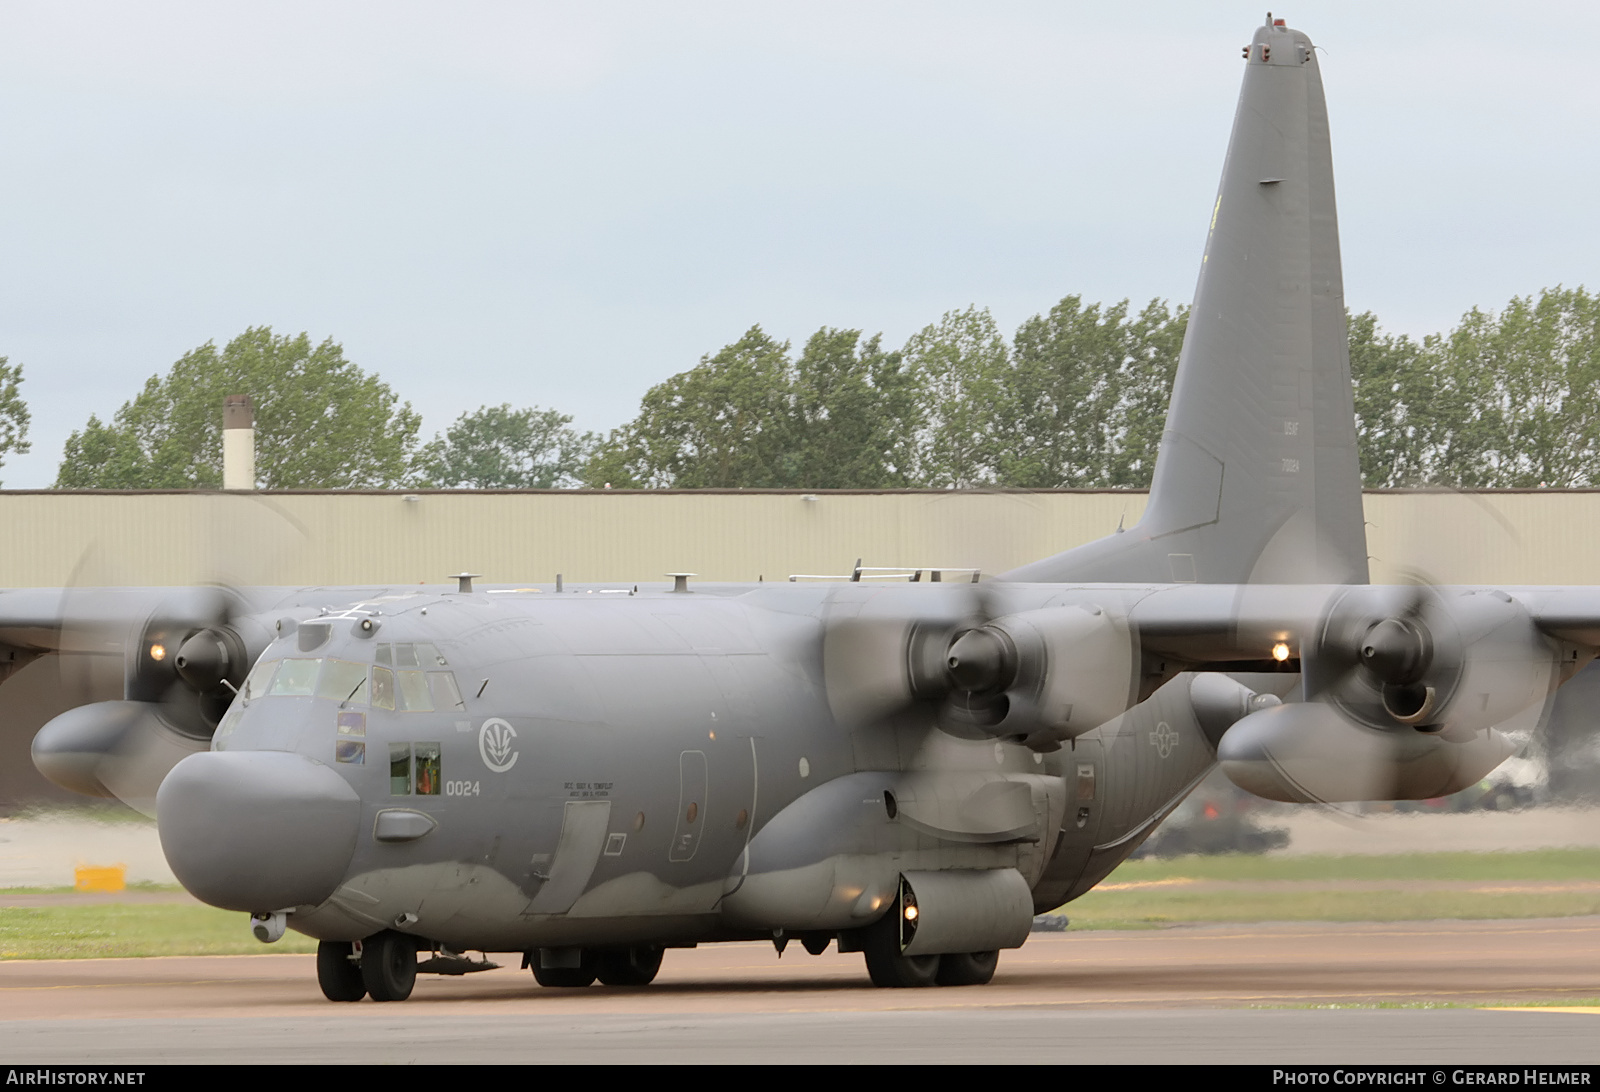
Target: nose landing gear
{"points": [[339, 972], [385, 967], [389, 965]]}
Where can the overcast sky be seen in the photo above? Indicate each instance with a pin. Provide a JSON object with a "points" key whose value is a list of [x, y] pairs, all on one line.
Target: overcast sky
{"points": [[563, 204]]}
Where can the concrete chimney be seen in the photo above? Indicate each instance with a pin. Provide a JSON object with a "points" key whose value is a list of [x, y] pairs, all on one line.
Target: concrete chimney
{"points": [[238, 442]]}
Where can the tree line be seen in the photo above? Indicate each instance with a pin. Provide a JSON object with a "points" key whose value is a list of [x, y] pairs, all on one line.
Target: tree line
{"points": [[1075, 398]]}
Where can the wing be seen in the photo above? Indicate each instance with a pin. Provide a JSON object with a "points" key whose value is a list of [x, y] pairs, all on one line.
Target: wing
{"points": [[1408, 691]]}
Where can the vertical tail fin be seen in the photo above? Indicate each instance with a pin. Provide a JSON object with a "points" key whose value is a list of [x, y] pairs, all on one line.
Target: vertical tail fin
{"points": [[1258, 478]]}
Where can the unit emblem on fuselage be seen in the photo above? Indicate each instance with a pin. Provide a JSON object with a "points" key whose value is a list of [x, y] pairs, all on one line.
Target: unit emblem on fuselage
{"points": [[1164, 739], [497, 745]]}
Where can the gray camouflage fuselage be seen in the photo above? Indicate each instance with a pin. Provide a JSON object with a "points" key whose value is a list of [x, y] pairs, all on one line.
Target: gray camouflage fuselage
{"points": [[675, 775]]}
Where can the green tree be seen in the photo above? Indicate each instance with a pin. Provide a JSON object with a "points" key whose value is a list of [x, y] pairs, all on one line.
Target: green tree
{"points": [[497, 447], [1402, 414], [959, 367], [14, 416], [320, 422], [1086, 396], [1144, 389], [721, 424], [750, 417], [1508, 400], [1532, 378], [852, 408]]}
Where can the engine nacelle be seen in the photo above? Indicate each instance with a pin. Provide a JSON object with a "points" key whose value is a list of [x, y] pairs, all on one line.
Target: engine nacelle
{"points": [[113, 748], [1309, 752], [1432, 659], [1039, 677], [1060, 672], [1413, 693]]}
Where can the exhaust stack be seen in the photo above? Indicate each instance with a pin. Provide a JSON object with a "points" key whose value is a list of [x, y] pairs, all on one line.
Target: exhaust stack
{"points": [[238, 442]]}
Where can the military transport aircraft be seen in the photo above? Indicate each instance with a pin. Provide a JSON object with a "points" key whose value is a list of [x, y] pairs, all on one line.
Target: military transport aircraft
{"points": [[909, 770]]}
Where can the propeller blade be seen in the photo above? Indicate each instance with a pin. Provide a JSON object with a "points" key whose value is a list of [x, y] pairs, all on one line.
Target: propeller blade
{"points": [[172, 656]]}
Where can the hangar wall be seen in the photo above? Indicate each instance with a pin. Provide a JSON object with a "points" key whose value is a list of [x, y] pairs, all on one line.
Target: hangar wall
{"points": [[52, 538]]}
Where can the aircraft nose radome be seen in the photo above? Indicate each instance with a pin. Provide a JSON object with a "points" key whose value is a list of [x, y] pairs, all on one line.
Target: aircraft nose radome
{"points": [[257, 830]]}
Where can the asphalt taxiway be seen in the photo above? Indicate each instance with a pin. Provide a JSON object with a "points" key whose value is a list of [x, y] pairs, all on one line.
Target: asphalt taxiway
{"points": [[1274, 993]]}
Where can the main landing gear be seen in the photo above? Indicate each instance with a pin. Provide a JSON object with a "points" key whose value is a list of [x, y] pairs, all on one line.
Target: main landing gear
{"points": [[888, 966], [635, 966], [339, 971]]}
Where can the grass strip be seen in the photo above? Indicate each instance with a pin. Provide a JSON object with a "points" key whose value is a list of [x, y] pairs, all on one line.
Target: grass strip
{"points": [[1545, 864], [111, 930], [1162, 906]]}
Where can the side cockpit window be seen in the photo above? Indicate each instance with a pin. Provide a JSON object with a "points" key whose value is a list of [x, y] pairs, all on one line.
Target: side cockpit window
{"points": [[446, 697], [260, 678]]}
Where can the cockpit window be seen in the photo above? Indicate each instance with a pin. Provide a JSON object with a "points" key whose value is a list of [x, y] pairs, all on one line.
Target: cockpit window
{"points": [[229, 722], [423, 654], [296, 678], [382, 688], [344, 681], [414, 691], [347, 682], [260, 675], [442, 684]]}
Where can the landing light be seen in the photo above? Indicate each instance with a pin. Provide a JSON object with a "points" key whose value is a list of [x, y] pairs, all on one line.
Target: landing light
{"points": [[911, 913], [1280, 652], [158, 652]]}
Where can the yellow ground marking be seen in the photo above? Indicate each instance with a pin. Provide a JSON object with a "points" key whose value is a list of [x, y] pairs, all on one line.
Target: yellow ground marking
{"points": [[1141, 884]]}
